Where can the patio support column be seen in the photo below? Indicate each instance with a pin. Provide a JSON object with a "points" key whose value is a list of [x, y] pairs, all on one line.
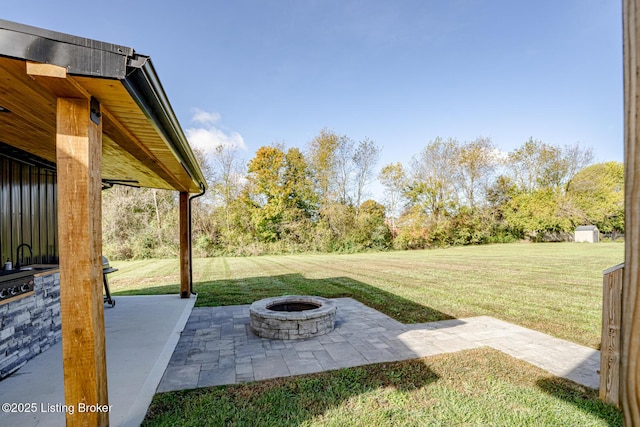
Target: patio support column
{"points": [[630, 330], [185, 244], [79, 160]]}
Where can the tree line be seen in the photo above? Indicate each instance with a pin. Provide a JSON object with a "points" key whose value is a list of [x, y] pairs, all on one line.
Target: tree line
{"points": [[287, 200]]}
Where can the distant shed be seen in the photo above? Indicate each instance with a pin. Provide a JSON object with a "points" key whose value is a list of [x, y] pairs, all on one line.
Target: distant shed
{"points": [[587, 233]]}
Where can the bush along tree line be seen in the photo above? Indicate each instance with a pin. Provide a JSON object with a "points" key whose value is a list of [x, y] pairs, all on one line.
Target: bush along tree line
{"points": [[287, 200]]}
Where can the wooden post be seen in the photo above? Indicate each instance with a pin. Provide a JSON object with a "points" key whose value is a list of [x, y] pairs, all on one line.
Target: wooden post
{"points": [[630, 366], [610, 348], [79, 161], [185, 244]]}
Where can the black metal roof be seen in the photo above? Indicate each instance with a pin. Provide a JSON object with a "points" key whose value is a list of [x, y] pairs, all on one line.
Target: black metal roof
{"points": [[79, 55], [92, 58]]}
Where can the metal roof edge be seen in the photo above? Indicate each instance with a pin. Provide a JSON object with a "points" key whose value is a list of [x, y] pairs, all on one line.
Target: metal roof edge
{"points": [[79, 55], [143, 84]]}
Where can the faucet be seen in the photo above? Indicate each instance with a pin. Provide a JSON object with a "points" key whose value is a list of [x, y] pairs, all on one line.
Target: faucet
{"points": [[18, 259]]}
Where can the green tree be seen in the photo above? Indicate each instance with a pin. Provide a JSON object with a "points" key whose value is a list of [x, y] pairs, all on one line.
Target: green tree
{"points": [[394, 180], [343, 173], [412, 230], [298, 183], [432, 185], [365, 158], [336, 225], [536, 165], [323, 163], [227, 175], [371, 230], [139, 223], [470, 227], [500, 192], [598, 192], [280, 193], [528, 162], [477, 162], [301, 201], [203, 224], [266, 175], [538, 213]]}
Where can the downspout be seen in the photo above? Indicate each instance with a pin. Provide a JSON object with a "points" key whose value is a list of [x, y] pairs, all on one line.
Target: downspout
{"points": [[195, 196]]}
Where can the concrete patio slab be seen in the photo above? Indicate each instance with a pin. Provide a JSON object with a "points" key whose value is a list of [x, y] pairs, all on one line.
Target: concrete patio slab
{"points": [[141, 334], [362, 336]]}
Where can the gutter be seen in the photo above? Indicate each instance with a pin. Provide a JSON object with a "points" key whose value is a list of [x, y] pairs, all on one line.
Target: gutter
{"points": [[203, 190], [145, 88]]}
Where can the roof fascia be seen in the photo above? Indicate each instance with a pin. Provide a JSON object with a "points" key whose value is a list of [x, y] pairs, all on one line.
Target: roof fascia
{"points": [[80, 56]]}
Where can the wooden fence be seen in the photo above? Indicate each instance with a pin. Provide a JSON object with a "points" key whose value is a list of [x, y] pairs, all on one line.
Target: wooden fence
{"points": [[611, 335]]}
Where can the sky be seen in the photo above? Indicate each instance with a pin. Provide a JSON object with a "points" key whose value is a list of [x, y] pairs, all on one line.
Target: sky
{"points": [[248, 73]]}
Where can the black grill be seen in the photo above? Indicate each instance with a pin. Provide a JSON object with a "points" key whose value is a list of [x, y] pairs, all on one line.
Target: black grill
{"points": [[16, 286], [106, 269]]}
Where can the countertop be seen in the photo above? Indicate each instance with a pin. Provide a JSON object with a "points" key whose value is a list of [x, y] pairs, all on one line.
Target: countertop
{"points": [[28, 270]]}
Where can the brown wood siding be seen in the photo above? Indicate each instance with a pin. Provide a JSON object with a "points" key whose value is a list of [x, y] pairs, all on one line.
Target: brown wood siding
{"points": [[27, 211]]}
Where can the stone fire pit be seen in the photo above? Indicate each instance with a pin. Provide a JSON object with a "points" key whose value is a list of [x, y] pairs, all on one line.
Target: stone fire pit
{"points": [[292, 317]]}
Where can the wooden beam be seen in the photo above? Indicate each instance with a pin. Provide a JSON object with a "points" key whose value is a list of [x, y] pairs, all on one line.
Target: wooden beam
{"points": [[79, 152], [630, 366], [55, 79], [185, 244], [46, 70]]}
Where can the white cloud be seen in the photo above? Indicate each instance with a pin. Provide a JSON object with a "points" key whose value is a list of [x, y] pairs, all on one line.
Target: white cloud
{"points": [[206, 136], [200, 116], [211, 137]]}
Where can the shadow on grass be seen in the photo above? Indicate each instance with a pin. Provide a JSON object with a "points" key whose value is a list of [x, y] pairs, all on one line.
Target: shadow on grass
{"points": [[289, 401], [584, 398], [248, 290]]}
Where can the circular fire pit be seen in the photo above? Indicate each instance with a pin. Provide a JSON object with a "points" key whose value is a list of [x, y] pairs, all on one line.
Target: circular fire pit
{"points": [[292, 317]]}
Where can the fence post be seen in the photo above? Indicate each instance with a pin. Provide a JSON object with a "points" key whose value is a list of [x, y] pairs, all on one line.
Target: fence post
{"points": [[611, 337]]}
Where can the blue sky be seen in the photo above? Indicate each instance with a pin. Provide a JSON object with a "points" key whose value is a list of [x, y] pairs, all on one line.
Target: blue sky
{"points": [[254, 72]]}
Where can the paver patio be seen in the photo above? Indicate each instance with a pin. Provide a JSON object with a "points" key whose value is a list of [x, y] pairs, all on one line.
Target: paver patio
{"points": [[217, 346]]}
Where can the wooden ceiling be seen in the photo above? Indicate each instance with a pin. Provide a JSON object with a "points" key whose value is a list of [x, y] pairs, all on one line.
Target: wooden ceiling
{"points": [[132, 148]]}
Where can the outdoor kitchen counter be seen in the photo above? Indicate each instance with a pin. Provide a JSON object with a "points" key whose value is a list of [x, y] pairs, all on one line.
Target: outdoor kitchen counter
{"points": [[18, 284], [30, 316], [35, 270], [44, 269]]}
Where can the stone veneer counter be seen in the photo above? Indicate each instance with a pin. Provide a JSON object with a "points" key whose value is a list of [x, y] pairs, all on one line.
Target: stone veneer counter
{"points": [[30, 324]]}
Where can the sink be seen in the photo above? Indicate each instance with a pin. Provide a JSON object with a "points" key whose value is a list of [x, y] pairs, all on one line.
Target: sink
{"points": [[38, 267]]}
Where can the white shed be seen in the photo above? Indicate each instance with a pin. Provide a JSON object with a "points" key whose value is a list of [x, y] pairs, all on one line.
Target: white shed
{"points": [[587, 233]]}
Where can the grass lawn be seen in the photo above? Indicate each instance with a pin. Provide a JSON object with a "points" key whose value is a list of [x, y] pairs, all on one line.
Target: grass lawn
{"points": [[481, 387], [555, 288]]}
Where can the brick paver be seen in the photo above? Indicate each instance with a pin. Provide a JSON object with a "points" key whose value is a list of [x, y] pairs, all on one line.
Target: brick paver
{"points": [[217, 346]]}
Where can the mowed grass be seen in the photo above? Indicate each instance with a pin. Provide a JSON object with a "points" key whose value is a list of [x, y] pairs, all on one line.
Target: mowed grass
{"points": [[555, 288], [481, 387]]}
